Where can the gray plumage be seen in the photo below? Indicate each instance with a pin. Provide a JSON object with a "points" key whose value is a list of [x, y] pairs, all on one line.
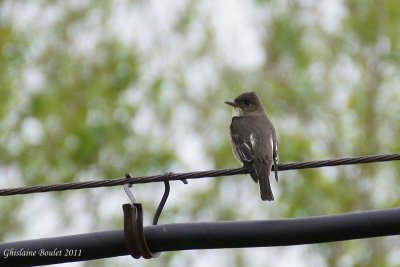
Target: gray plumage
{"points": [[254, 141]]}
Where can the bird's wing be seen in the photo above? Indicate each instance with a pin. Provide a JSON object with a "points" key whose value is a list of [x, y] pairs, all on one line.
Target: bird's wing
{"points": [[274, 144], [276, 160], [241, 141], [243, 148], [275, 152]]}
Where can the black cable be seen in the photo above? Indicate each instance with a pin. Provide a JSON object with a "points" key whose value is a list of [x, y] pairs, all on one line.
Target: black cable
{"points": [[208, 235], [193, 175]]}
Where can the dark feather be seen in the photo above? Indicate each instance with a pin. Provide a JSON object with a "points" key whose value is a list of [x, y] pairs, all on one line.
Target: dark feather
{"points": [[262, 171]]}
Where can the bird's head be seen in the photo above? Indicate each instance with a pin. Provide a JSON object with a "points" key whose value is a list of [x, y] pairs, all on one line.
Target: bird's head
{"points": [[246, 104]]}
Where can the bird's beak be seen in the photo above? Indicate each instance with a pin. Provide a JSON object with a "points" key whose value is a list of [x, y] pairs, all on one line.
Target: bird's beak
{"points": [[231, 103]]}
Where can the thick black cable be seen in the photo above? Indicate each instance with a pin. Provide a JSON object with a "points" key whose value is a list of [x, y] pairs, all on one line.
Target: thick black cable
{"points": [[206, 235], [193, 175]]}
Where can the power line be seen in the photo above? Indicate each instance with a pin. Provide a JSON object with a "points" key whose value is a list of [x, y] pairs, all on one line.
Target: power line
{"points": [[194, 175], [206, 235]]}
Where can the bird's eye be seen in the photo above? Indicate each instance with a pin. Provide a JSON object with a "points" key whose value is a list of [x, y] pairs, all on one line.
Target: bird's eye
{"points": [[247, 103]]}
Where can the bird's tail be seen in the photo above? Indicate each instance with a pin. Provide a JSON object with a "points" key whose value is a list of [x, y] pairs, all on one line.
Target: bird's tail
{"points": [[260, 171]]}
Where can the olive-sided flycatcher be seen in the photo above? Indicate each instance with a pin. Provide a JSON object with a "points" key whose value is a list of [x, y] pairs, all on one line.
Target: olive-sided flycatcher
{"points": [[254, 141]]}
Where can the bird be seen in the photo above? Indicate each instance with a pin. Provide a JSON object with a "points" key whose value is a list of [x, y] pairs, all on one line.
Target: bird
{"points": [[254, 141]]}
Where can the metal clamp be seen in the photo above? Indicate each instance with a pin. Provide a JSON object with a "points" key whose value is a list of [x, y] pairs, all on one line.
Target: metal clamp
{"points": [[133, 231], [133, 222], [133, 227]]}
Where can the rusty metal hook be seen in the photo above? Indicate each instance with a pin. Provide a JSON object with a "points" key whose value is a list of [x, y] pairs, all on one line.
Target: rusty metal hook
{"points": [[164, 198]]}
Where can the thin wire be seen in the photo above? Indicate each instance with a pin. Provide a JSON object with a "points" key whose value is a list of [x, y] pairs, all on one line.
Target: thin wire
{"points": [[194, 175]]}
